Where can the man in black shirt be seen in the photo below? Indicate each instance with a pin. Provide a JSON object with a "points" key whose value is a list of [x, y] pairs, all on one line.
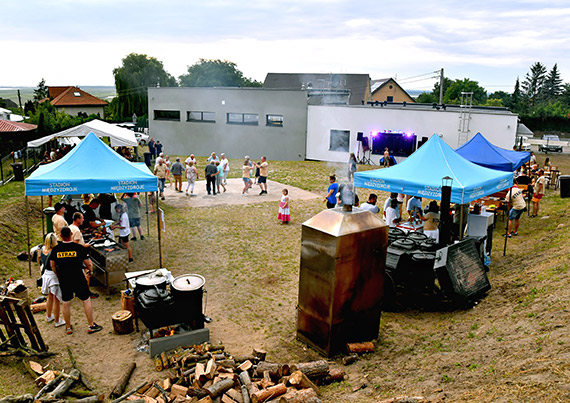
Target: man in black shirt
{"points": [[90, 221], [211, 172], [69, 261]]}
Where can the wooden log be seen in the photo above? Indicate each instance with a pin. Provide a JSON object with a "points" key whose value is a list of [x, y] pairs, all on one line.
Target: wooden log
{"points": [[158, 365], [162, 392], [245, 366], [243, 358], [313, 369], [130, 393], [218, 388], [41, 307], [206, 399], [244, 379], [235, 395], [259, 353], [268, 393], [335, 375], [218, 357], [298, 396], [165, 360], [210, 369], [359, 348], [48, 386], [65, 384], [228, 363], [179, 390], [299, 380], [215, 347], [123, 322], [27, 398], [349, 359], [199, 374], [123, 381], [167, 384], [245, 394], [152, 392], [45, 378], [273, 368]]}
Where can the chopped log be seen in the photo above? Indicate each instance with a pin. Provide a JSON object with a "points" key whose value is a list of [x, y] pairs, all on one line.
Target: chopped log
{"points": [[349, 359], [162, 392], [158, 365], [218, 357], [229, 363], [199, 374], [48, 386], [228, 376], [148, 399], [36, 367], [179, 390], [268, 393], [132, 392], [215, 347], [167, 384], [243, 358], [284, 379], [206, 399], [359, 348], [123, 322], [27, 398], [45, 378], [218, 388], [245, 366], [41, 307], [123, 381], [189, 371], [227, 399], [152, 392], [80, 393], [245, 379], [298, 396], [273, 368], [259, 353], [335, 375], [299, 380], [313, 369], [65, 384], [235, 395], [144, 388], [210, 369], [245, 394], [165, 360]]}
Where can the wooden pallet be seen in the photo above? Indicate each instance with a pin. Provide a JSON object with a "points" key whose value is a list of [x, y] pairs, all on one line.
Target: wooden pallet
{"points": [[18, 321]]}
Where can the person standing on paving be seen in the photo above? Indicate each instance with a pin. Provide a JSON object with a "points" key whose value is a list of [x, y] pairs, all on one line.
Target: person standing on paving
{"points": [[263, 172], [177, 169], [69, 261], [211, 172]]}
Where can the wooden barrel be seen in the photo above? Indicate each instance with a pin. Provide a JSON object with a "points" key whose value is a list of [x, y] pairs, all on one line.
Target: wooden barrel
{"points": [[123, 322], [127, 302]]}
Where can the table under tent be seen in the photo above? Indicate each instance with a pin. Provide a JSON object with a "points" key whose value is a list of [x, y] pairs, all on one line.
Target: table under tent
{"points": [[412, 264], [93, 167]]}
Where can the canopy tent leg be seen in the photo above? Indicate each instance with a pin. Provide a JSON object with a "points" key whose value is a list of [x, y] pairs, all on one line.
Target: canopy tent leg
{"points": [[506, 229], [28, 235], [461, 218], [147, 216], [159, 232], [43, 216]]}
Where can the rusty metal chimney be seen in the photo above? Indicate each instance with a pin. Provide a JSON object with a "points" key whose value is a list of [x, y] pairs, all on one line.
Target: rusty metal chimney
{"points": [[341, 280]]}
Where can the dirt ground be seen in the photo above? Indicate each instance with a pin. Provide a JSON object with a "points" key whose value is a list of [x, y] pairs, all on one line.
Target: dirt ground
{"points": [[512, 346]]}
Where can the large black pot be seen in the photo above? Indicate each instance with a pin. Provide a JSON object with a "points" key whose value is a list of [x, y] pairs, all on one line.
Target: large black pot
{"points": [[187, 291]]}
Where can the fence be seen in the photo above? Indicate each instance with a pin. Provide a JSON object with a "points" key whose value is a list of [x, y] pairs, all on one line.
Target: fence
{"points": [[29, 157]]}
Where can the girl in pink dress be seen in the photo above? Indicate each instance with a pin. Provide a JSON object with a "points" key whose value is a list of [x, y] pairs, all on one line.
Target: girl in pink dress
{"points": [[284, 214]]}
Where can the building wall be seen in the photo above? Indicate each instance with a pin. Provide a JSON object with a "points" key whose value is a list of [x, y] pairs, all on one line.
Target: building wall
{"points": [[89, 110], [499, 129], [383, 93], [201, 138]]}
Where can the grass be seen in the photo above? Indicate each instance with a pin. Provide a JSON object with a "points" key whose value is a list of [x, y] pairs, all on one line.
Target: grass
{"points": [[251, 266]]}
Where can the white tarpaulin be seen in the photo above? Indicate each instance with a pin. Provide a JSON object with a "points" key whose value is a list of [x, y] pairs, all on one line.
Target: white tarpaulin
{"points": [[118, 136]]}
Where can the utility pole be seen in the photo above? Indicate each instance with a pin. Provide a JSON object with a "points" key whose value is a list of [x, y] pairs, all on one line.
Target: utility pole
{"points": [[441, 86], [20, 102]]}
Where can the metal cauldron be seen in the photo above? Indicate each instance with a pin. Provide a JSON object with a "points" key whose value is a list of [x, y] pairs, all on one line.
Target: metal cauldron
{"points": [[188, 291]]}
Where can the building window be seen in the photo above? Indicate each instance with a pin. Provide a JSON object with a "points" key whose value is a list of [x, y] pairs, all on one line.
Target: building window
{"points": [[339, 140], [243, 119], [167, 115], [195, 116], [274, 120], [390, 99]]}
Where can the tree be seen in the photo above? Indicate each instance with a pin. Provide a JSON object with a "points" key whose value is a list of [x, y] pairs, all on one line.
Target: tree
{"points": [[132, 79], [215, 73], [426, 98], [533, 83], [552, 84], [502, 96], [453, 93], [41, 92]]}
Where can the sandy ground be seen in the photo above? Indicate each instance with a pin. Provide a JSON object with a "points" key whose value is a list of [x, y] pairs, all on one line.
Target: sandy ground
{"points": [[233, 195]]}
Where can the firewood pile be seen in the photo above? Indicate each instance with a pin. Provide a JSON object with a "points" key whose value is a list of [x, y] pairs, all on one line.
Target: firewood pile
{"points": [[208, 374]]}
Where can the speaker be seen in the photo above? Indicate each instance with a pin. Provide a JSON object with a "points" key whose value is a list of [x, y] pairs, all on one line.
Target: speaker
{"points": [[365, 146], [359, 136]]}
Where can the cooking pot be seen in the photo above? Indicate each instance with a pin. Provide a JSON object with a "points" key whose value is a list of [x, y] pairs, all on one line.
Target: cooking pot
{"points": [[188, 291], [150, 281]]}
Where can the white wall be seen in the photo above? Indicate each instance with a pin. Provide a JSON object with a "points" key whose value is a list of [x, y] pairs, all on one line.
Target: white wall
{"points": [[498, 128]]}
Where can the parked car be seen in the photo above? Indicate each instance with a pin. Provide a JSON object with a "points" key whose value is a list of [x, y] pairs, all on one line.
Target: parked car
{"points": [[524, 144], [142, 138], [550, 147]]}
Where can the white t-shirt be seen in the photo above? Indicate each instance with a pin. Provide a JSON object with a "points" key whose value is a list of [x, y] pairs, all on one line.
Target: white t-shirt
{"points": [[370, 207], [391, 215], [190, 159], [225, 164], [124, 222]]}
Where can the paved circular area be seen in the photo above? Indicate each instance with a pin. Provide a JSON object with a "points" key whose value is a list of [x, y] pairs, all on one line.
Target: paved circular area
{"points": [[233, 194]]}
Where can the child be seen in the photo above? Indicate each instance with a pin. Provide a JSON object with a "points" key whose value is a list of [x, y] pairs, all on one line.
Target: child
{"points": [[124, 228], [284, 213]]}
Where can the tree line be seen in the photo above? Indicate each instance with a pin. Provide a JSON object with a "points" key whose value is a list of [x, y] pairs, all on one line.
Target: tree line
{"points": [[542, 100]]}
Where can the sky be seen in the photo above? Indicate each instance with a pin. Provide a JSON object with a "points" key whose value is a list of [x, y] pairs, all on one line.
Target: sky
{"points": [[80, 42]]}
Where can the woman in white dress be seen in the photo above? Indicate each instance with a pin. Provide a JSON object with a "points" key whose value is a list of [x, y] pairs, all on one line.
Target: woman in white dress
{"points": [[284, 213]]}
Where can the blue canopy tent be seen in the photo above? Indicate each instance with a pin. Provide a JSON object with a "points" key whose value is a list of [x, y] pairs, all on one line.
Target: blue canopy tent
{"points": [[421, 175], [91, 167], [481, 152]]}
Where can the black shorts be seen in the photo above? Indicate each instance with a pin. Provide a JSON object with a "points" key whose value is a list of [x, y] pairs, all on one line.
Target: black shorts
{"points": [[262, 179], [76, 286], [124, 239]]}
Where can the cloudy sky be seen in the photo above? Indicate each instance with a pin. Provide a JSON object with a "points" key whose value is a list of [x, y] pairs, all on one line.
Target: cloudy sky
{"points": [[79, 42]]}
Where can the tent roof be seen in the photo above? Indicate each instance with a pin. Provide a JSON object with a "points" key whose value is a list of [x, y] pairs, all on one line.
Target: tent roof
{"points": [[481, 152], [118, 135], [421, 175], [91, 167]]}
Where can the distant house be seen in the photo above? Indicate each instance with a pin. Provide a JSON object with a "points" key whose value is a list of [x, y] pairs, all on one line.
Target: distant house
{"points": [[324, 89], [387, 89], [74, 101], [15, 135]]}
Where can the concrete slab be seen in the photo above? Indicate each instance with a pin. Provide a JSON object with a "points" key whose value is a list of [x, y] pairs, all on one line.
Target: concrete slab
{"points": [[189, 338], [233, 194]]}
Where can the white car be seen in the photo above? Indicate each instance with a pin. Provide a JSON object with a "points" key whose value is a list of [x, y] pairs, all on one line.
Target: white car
{"points": [[142, 138], [525, 145]]}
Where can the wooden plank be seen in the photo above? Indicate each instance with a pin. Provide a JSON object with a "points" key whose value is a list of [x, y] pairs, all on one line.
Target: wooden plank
{"points": [[32, 332], [9, 322]]}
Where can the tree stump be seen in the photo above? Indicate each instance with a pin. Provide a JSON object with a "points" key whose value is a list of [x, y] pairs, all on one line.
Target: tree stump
{"points": [[123, 322]]}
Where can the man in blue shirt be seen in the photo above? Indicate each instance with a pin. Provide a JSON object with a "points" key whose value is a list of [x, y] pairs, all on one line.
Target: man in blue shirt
{"points": [[330, 198]]}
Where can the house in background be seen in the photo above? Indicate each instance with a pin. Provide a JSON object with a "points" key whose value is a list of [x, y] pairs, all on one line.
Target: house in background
{"points": [[324, 89], [15, 135], [74, 101], [387, 89]]}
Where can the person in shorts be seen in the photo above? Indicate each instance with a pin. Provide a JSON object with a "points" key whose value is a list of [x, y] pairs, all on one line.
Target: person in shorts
{"points": [[69, 261], [263, 172], [538, 186], [516, 197], [124, 228], [245, 175], [134, 206]]}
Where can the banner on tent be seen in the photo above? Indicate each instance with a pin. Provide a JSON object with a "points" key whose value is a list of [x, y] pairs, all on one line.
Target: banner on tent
{"points": [[59, 188]]}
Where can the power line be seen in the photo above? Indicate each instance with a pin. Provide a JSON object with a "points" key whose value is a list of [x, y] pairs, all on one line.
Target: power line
{"points": [[421, 75]]}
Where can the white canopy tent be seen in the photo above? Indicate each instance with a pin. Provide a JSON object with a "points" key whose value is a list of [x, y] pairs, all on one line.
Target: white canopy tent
{"points": [[118, 135]]}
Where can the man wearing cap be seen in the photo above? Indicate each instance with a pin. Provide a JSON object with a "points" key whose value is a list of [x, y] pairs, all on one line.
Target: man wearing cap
{"points": [[58, 220]]}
